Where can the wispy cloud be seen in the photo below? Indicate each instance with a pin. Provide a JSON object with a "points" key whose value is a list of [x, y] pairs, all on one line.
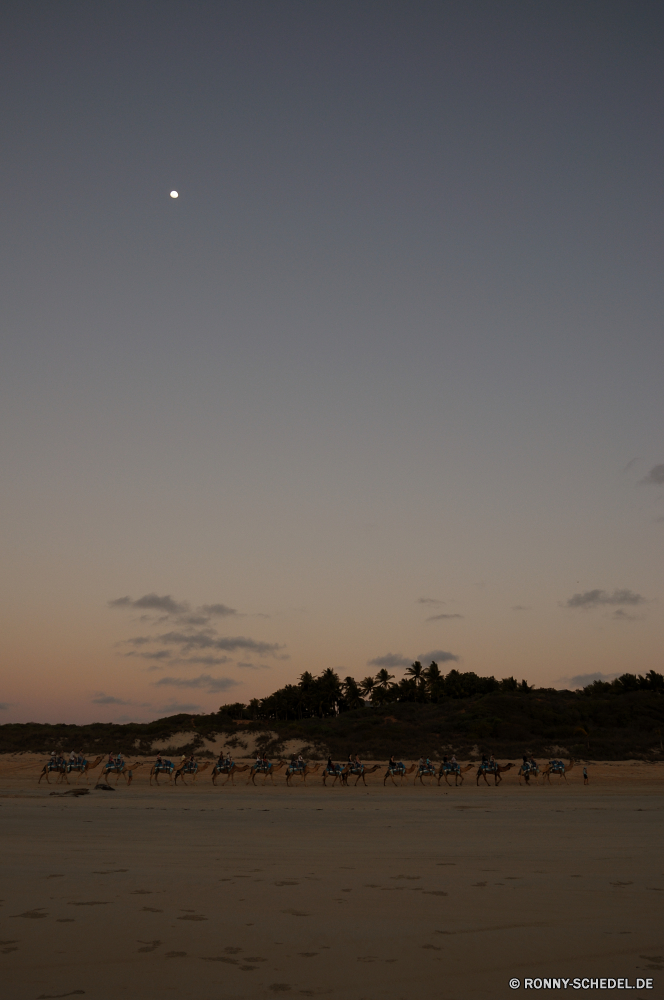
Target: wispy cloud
{"points": [[521, 607], [206, 661], [178, 612], [429, 600], [624, 616], [440, 618], [152, 602], [4, 706], [439, 656], [177, 708], [218, 610], [108, 699], [601, 598], [582, 680], [207, 639], [655, 477], [253, 666], [159, 654], [211, 685], [390, 660]]}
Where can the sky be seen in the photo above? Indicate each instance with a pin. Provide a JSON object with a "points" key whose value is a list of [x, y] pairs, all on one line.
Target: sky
{"points": [[384, 382]]}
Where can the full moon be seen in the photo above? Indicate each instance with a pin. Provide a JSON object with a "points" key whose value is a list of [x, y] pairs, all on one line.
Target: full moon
{"points": [[174, 194]]}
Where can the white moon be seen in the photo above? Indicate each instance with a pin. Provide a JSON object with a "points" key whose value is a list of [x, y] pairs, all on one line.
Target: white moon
{"points": [[174, 194]]}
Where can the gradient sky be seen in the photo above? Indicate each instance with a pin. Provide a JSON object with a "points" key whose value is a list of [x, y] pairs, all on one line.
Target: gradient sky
{"points": [[384, 382]]}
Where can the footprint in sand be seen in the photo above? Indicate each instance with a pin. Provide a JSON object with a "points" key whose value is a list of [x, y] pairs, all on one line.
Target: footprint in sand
{"points": [[94, 902], [192, 916], [31, 914], [221, 958], [255, 958], [296, 913], [307, 954], [58, 996], [8, 946], [175, 954], [232, 951], [286, 882], [433, 892], [431, 947], [247, 968], [150, 909], [478, 885], [413, 878], [149, 945], [280, 987]]}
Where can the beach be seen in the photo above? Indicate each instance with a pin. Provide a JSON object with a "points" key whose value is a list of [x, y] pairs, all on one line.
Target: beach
{"points": [[357, 893]]}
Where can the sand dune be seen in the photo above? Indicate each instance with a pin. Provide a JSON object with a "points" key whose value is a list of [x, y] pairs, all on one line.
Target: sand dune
{"points": [[403, 892]]}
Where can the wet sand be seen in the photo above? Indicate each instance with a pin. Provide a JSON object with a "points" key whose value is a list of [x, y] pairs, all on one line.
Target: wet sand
{"points": [[355, 893]]}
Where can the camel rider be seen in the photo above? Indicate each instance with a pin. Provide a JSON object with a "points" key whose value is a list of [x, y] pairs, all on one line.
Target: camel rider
{"points": [[330, 766], [357, 762], [300, 761], [454, 761], [72, 757], [159, 761], [392, 764], [485, 762]]}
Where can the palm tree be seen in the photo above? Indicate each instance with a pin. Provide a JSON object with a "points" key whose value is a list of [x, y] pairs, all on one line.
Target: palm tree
{"points": [[367, 686], [383, 679], [352, 693], [416, 671], [434, 681], [329, 691], [254, 705]]}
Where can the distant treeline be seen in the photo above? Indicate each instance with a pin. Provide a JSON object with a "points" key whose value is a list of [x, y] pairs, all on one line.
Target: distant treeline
{"points": [[329, 695]]}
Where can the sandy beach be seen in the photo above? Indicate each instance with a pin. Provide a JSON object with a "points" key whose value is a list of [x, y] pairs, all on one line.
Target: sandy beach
{"points": [[357, 893]]}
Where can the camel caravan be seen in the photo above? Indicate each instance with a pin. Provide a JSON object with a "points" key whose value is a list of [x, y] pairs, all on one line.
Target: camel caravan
{"points": [[332, 773]]}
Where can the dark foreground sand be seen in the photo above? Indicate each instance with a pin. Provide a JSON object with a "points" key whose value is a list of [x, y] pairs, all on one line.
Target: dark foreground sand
{"points": [[353, 893]]}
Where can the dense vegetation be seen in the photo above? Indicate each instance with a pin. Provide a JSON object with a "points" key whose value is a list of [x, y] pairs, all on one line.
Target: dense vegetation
{"points": [[425, 713]]}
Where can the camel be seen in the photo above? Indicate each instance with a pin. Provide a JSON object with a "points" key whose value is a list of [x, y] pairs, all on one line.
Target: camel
{"points": [[300, 772], [495, 770], [166, 766], [189, 768], [260, 768], [456, 770], [424, 772], [85, 767], [360, 771], [400, 770], [57, 765], [338, 772], [528, 771], [557, 767], [229, 770], [123, 769]]}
